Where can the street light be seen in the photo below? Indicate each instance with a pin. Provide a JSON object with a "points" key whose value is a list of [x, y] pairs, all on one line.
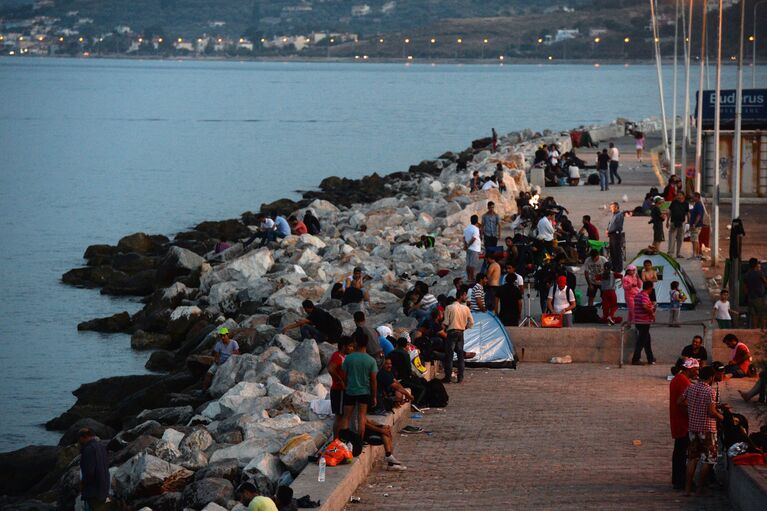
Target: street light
{"points": [[753, 41], [540, 40], [597, 40], [626, 40], [460, 40]]}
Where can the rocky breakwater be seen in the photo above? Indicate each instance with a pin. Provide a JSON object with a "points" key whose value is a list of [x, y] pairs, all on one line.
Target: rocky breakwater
{"points": [[173, 446]]}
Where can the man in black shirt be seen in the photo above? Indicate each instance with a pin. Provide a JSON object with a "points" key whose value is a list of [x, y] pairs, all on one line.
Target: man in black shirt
{"points": [[656, 219], [510, 297], [677, 217], [318, 324], [696, 350]]}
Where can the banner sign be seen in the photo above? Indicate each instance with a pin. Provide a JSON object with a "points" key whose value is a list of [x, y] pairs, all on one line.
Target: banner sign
{"points": [[753, 113]]}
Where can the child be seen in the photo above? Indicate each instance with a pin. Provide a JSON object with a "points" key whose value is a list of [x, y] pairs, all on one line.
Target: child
{"points": [[649, 275], [676, 297], [722, 310], [609, 298]]}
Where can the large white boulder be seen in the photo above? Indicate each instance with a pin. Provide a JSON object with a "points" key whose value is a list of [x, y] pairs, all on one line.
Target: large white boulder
{"points": [[266, 465], [249, 449], [296, 451], [306, 359], [143, 475], [250, 266]]}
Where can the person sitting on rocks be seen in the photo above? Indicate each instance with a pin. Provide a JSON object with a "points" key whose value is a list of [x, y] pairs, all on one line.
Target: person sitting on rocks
{"points": [[373, 345], [355, 295], [696, 351], [297, 227], [432, 335], [499, 176], [318, 324], [222, 245], [224, 348], [312, 223], [373, 429], [490, 184], [740, 358], [281, 228], [250, 496], [338, 384], [265, 230], [403, 370], [476, 183]]}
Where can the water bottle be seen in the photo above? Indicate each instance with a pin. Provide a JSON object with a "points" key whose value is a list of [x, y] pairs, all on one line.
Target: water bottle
{"points": [[323, 464]]}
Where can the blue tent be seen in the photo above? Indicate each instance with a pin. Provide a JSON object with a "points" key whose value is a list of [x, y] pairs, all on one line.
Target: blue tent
{"points": [[490, 341]]}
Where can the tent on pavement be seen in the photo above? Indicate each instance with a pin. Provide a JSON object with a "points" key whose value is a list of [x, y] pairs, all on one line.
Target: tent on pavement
{"points": [[668, 270], [490, 341]]}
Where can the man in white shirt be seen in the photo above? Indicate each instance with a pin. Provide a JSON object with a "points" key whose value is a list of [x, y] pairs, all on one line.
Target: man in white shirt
{"points": [[472, 243], [490, 184], [562, 301], [615, 157], [546, 227], [265, 227]]}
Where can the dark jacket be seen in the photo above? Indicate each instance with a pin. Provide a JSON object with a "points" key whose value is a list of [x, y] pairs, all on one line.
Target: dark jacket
{"points": [[94, 465]]}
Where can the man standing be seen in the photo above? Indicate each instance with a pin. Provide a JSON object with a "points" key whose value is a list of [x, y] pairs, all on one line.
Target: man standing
{"points": [[755, 290], [614, 156], [493, 281], [644, 316], [473, 246], [478, 294], [94, 470], [491, 226], [678, 419], [361, 384], [592, 269], [677, 217], [616, 237], [603, 161], [373, 344], [697, 215], [702, 415], [318, 324], [561, 300], [457, 319], [510, 299], [338, 381]]}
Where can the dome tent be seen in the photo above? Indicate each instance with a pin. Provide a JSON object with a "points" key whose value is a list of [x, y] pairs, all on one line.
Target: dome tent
{"points": [[668, 270], [490, 340]]}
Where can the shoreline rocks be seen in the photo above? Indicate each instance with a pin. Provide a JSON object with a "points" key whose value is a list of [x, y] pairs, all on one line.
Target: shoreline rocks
{"points": [[172, 445]]}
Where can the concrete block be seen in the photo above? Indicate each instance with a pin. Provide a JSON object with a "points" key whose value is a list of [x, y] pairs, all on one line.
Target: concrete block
{"points": [[721, 352], [590, 345], [341, 481], [747, 487]]}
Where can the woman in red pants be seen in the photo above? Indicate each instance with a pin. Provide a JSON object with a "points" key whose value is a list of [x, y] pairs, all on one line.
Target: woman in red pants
{"points": [[609, 298]]}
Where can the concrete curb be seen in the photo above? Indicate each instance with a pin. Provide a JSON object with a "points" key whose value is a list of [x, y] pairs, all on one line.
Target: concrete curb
{"points": [[747, 487], [341, 481]]}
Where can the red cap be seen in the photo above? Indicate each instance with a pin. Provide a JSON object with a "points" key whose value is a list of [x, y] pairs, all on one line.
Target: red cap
{"points": [[562, 281]]}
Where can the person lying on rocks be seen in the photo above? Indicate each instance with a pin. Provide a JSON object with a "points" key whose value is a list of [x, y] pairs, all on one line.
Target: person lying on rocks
{"points": [[318, 324], [361, 384], [224, 348], [297, 227], [250, 496], [372, 430]]}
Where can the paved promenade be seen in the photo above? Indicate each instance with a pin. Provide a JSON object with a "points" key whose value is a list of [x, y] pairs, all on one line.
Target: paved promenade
{"points": [[565, 437], [543, 437]]}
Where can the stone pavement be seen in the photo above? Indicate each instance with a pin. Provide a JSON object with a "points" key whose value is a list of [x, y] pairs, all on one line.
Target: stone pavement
{"points": [[637, 181], [543, 437]]}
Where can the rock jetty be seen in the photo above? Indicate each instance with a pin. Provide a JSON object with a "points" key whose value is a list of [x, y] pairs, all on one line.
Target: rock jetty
{"points": [[173, 446]]}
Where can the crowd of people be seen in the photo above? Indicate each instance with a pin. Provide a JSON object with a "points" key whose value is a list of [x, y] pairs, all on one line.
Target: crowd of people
{"points": [[698, 418]]}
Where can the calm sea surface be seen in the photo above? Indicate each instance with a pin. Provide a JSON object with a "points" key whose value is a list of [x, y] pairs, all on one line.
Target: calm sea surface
{"points": [[91, 150]]}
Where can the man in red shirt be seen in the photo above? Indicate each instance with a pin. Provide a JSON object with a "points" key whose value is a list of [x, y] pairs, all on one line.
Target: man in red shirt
{"points": [[338, 377], [589, 229], [297, 227], [702, 414], [678, 418], [740, 358]]}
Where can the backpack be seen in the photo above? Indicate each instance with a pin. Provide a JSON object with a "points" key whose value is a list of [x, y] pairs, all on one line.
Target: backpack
{"points": [[347, 435], [336, 453], [436, 395]]}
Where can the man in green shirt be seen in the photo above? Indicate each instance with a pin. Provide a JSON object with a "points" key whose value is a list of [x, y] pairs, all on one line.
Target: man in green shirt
{"points": [[361, 385], [249, 494]]}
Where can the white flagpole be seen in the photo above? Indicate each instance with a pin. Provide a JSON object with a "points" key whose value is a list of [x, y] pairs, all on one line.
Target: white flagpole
{"points": [[660, 78]]}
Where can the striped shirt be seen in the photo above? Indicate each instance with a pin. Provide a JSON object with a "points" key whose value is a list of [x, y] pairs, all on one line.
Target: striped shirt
{"points": [[477, 297], [641, 315], [699, 396]]}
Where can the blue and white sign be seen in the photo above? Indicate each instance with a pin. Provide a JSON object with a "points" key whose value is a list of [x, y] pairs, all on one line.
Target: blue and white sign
{"points": [[754, 108]]}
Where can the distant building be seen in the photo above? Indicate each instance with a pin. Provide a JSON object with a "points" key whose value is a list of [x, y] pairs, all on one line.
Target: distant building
{"points": [[216, 24], [594, 32], [183, 44], [244, 44], [566, 34], [388, 7], [123, 29], [361, 10]]}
